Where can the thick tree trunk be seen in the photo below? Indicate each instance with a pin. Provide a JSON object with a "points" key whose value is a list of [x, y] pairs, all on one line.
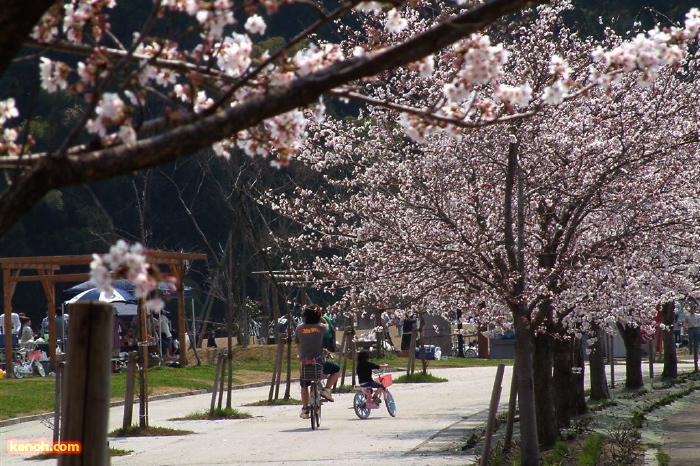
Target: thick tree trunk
{"points": [[547, 431], [562, 381], [529, 445], [668, 336], [632, 336], [577, 391], [596, 359]]}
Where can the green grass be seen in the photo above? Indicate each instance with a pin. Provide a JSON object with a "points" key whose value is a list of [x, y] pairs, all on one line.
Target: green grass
{"points": [[35, 395], [559, 454], [150, 431], [50, 456], [278, 402], [219, 413], [591, 450], [662, 458], [419, 377]]}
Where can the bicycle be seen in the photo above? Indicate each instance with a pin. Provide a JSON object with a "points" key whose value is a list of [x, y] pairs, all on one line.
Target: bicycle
{"points": [[365, 400], [312, 371], [26, 359]]}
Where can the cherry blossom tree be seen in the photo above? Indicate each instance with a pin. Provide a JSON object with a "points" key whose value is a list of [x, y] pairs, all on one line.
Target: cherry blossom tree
{"points": [[511, 219], [214, 90]]}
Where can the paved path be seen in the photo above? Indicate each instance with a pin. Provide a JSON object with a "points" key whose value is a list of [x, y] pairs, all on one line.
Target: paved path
{"points": [[277, 436], [432, 420]]}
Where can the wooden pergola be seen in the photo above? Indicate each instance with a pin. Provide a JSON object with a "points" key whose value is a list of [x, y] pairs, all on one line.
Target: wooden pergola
{"points": [[48, 270]]}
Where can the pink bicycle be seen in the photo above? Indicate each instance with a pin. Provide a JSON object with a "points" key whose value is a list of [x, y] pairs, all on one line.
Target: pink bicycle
{"points": [[365, 400]]}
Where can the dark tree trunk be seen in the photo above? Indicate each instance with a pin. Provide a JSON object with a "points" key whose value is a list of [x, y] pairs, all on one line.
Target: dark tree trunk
{"points": [[577, 392], [562, 381], [668, 337], [632, 337], [529, 445], [547, 431], [596, 359]]}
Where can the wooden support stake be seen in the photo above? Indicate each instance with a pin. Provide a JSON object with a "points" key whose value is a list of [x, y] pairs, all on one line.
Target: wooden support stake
{"points": [[611, 359], [512, 406], [277, 371], [214, 388], [58, 396], [131, 368], [411, 365], [222, 357], [493, 411], [343, 356], [88, 382]]}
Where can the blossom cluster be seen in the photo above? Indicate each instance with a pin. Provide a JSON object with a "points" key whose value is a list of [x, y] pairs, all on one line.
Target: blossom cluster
{"points": [[129, 262]]}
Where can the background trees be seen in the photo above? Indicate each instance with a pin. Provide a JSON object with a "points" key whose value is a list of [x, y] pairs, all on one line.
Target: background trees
{"points": [[515, 216]]}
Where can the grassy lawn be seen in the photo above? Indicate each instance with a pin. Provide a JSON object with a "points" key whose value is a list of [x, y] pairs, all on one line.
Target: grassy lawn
{"points": [[34, 395]]}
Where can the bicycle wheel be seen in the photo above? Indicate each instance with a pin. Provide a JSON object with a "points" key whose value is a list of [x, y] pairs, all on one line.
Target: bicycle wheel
{"points": [[470, 353], [316, 415], [312, 406], [390, 404], [40, 368], [17, 371], [359, 403]]}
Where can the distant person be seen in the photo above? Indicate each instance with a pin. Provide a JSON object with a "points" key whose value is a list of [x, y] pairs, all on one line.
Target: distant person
{"points": [[16, 324], [691, 322], [45, 324], [175, 345], [329, 336], [165, 333], [61, 330], [25, 331], [211, 341], [407, 331]]}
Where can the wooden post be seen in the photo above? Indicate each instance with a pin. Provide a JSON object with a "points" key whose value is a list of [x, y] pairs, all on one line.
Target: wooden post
{"points": [[88, 383], [611, 359], [222, 357], [493, 408], [290, 336], [343, 356], [131, 366], [512, 406], [7, 325], [143, 374], [277, 371], [353, 355], [215, 387], [411, 365], [58, 396]]}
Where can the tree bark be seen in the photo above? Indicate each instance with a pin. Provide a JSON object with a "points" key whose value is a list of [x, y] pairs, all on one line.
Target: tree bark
{"points": [[668, 336], [547, 431], [577, 391], [596, 359], [529, 443], [561, 381], [631, 336]]}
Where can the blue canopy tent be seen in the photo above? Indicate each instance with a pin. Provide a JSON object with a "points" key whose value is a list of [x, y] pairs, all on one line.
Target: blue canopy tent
{"points": [[122, 285]]}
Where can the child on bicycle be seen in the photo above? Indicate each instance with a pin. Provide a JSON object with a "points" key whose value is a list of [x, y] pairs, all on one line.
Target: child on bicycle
{"points": [[309, 336], [364, 374]]}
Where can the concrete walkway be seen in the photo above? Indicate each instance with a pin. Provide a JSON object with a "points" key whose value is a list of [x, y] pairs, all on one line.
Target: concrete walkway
{"points": [[432, 422]]}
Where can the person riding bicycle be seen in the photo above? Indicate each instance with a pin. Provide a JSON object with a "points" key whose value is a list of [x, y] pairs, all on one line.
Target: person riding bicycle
{"points": [[364, 374], [309, 336]]}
